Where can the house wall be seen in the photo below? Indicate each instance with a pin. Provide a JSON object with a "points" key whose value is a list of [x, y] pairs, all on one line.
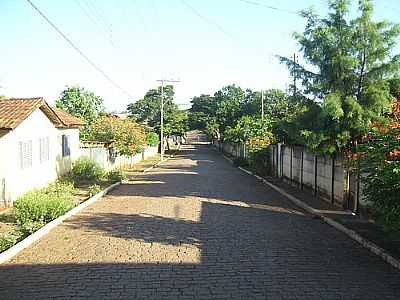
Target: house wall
{"points": [[13, 179]]}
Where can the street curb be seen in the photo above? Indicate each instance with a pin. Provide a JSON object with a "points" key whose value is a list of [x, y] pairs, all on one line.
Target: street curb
{"points": [[350, 233], [29, 240]]}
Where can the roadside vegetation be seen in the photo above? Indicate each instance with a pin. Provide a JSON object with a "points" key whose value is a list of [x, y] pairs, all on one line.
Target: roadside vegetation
{"points": [[126, 136], [148, 110], [344, 102], [36, 208]]}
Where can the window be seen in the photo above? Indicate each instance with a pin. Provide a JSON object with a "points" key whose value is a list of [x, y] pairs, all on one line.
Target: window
{"points": [[66, 151], [25, 154], [44, 149]]}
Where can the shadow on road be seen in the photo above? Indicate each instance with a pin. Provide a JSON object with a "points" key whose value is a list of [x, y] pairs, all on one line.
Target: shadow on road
{"points": [[253, 244]]}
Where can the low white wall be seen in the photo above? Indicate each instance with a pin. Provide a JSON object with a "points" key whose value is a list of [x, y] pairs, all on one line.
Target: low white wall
{"points": [[102, 156]]}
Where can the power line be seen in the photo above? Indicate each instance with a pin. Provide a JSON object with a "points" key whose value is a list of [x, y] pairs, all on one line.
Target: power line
{"points": [[197, 13], [101, 20], [92, 19], [96, 13], [268, 6], [78, 50]]}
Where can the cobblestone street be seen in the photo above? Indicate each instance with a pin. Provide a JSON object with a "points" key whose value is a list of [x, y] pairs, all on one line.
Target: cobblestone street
{"points": [[196, 228]]}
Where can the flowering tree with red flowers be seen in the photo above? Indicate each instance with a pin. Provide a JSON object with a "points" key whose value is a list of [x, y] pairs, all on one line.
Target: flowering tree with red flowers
{"points": [[126, 136], [378, 158]]}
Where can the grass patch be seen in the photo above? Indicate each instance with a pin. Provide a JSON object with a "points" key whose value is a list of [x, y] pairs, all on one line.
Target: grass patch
{"points": [[36, 208]]}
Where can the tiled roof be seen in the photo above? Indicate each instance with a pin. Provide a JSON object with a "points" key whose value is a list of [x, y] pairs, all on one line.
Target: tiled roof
{"points": [[67, 119], [13, 111]]}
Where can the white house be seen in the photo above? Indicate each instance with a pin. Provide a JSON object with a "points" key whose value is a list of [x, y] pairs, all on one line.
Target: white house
{"points": [[37, 144]]}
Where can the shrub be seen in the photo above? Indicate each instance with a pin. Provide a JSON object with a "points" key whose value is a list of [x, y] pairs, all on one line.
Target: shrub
{"points": [[86, 170], [259, 161], [94, 189], [378, 161], [116, 175], [60, 188], [9, 240], [152, 139], [36, 208]]}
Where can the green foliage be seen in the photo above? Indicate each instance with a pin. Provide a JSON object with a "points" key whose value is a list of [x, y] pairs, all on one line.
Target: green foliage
{"points": [[61, 189], [82, 104], [379, 165], [116, 175], [259, 161], [9, 240], [126, 136], [86, 170], [148, 110], [394, 87], [229, 106], [152, 139], [278, 106], [36, 208], [94, 189], [249, 128], [350, 60], [202, 112]]}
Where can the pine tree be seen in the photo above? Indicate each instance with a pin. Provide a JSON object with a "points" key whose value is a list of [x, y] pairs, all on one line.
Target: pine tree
{"points": [[351, 61]]}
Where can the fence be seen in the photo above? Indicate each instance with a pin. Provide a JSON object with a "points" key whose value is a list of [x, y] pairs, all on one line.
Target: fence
{"points": [[322, 176], [107, 158]]}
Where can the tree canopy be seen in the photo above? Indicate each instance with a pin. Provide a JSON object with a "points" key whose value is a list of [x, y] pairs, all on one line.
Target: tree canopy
{"points": [[126, 136], [235, 114], [148, 110], [81, 103], [348, 62]]}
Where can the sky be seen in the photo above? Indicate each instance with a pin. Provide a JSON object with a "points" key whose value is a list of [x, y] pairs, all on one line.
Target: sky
{"points": [[205, 44]]}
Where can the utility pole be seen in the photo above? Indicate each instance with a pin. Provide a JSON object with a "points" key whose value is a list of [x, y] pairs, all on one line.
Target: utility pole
{"points": [[262, 105], [162, 114]]}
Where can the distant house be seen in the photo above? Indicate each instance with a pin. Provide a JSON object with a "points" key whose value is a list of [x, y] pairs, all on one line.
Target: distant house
{"points": [[37, 144]]}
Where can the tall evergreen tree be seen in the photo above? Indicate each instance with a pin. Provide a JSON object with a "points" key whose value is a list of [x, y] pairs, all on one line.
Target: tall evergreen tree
{"points": [[348, 63]]}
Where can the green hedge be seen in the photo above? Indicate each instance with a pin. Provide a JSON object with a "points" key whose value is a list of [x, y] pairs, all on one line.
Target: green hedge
{"points": [[36, 208]]}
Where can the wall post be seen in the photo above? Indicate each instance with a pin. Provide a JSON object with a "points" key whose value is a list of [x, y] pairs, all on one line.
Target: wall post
{"points": [[277, 160], [357, 202], [301, 168], [315, 175], [291, 164], [333, 180]]}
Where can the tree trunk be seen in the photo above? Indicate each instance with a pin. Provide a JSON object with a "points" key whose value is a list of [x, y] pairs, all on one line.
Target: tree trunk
{"points": [[360, 81]]}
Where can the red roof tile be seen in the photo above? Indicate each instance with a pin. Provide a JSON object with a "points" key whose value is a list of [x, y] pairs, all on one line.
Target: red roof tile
{"points": [[14, 111]]}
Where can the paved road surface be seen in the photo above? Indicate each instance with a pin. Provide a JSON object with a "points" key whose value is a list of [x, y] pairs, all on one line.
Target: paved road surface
{"points": [[196, 228]]}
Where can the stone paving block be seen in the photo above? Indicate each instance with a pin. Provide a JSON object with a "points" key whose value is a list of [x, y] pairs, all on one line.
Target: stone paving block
{"points": [[196, 228]]}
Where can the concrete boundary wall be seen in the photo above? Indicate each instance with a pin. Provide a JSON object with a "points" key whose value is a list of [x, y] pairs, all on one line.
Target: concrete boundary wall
{"points": [[107, 158], [325, 176]]}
